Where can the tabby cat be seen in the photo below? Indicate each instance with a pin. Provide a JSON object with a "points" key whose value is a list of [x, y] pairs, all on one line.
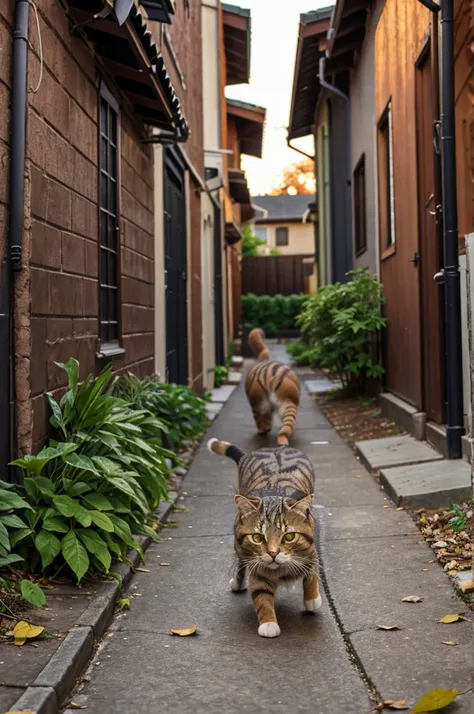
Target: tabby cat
{"points": [[268, 378], [274, 528]]}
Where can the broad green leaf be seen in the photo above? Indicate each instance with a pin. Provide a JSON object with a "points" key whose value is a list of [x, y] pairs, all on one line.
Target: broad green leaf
{"points": [[75, 555], [48, 546], [56, 419], [65, 505], [45, 487], [71, 367], [77, 489], [32, 593], [12, 521], [434, 700], [4, 538], [122, 529], [81, 462], [19, 535], [107, 438], [31, 488], [122, 485], [10, 559], [96, 546], [106, 465], [82, 516], [101, 521], [113, 545], [10, 500], [55, 523], [98, 502]]}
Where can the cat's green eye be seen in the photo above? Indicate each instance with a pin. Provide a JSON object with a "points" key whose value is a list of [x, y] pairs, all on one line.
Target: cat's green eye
{"points": [[256, 538], [289, 537]]}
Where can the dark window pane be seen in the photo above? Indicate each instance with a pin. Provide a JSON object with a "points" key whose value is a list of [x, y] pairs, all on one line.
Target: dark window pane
{"points": [[103, 117], [103, 228], [113, 302], [112, 274], [103, 191], [103, 154], [112, 197], [112, 233], [103, 266], [112, 161], [104, 303], [281, 236], [113, 127]]}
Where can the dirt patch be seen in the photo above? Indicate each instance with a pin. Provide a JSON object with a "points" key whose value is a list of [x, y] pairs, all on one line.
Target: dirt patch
{"points": [[357, 419]]}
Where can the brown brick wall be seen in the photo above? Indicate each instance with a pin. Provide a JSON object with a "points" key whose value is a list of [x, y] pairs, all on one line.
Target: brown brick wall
{"points": [[57, 311]]}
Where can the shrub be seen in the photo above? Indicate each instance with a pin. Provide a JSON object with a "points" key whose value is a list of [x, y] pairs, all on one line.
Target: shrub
{"points": [[272, 313], [221, 372], [342, 321], [250, 243], [304, 355], [177, 406], [91, 488]]}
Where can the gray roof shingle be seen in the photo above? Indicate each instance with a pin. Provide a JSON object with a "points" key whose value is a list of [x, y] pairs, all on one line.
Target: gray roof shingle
{"points": [[284, 207]]}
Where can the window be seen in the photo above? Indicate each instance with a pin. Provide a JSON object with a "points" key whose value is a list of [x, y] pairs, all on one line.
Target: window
{"points": [[386, 190], [281, 236], [261, 233], [109, 219], [359, 207]]}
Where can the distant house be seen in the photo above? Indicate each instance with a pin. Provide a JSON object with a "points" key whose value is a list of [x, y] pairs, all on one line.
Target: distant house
{"points": [[285, 223]]}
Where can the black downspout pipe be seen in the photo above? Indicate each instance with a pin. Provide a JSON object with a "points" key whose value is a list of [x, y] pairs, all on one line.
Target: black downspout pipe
{"points": [[454, 385], [17, 189], [450, 275], [348, 261]]}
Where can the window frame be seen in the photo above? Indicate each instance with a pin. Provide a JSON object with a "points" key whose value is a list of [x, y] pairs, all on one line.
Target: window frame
{"points": [[287, 232], [111, 346], [264, 230], [386, 183], [360, 206]]}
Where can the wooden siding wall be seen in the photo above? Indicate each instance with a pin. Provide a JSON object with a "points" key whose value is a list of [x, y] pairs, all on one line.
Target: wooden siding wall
{"points": [[398, 41], [276, 275], [464, 88]]}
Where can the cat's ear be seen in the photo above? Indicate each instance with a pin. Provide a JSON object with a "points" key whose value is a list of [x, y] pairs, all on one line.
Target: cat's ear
{"points": [[303, 506], [247, 506]]}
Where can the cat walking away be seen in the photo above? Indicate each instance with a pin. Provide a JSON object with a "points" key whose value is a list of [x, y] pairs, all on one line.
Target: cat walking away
{"points": [[274, 528], [266, 379]]}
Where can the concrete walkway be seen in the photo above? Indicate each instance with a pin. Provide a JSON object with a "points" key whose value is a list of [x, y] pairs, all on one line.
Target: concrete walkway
{"points": [[329, 663]]}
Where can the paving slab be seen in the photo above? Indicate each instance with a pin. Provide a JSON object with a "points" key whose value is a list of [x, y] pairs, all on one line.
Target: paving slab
{"points": [[234, 377], [395, 451], [365, 521], [432, 485], [8, 696], [213, 409], [222, 394], [321, 386]]}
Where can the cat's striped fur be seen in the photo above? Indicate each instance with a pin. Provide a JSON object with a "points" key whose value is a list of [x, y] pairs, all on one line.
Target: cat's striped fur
{"points": [[268, 378], [274, 528]]}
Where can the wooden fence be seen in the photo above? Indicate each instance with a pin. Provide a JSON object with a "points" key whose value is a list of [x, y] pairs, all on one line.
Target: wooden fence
{"points": [[276, 274]]}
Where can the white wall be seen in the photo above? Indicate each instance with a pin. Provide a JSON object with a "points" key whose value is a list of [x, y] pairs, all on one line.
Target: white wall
{"points": [[300, 238], [160, 310]]}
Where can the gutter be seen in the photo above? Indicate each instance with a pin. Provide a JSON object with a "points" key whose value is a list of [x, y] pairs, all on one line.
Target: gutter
{"points": [[347, 208], [450, 273]]}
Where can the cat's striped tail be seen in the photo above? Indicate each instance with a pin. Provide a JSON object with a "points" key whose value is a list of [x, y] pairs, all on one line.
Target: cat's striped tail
{"points": [[257, 344], [224, 448], [288, 412]]}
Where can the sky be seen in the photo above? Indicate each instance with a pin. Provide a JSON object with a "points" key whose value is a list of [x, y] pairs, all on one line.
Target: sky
{"points": [[274, 36]]}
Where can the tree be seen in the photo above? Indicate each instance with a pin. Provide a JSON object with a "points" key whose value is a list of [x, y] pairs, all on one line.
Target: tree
{"points": [[295, 178]]}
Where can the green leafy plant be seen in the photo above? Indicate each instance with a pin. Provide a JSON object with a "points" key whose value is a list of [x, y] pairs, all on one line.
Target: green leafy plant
{"points": [[221, 373], [183, 412], [343, 320], [304, 355], [272, 314], [85, 495], [459, 521], [250, 243]]}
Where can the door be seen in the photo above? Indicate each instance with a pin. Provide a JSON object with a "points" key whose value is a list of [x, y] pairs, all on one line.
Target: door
{"points": [[430, 251], [175, 270], [218, 291]]}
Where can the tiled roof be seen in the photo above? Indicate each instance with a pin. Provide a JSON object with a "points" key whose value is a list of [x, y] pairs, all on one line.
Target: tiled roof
{"points": [[284, 207]]}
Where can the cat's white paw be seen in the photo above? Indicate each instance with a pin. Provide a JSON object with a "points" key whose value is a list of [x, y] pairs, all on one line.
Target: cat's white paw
{"points": [[235, 587], [269, 629], [313, 605]]}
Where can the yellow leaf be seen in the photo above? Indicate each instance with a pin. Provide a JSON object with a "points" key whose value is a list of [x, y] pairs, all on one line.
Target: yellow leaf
{"points": [[387, 627], [185, 633], [24, 631], [19, 641], [412, 598], [449, 619], [142, 570], [163, 563], [73, 705], [23, 711], [123, 603], [450, 643], [434, 700], [400, 704]]}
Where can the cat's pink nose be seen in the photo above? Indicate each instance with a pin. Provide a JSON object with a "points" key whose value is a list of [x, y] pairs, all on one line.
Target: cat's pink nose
{"points": [[273, 554]]}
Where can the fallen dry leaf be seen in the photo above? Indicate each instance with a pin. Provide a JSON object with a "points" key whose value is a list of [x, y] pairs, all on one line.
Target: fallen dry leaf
{"points": [[466, 619], [455, 617], [73, 705], [412, 598], [420, 510], [388, 627], [434, 700], [439, 544], [391, 704], [163, 563], [386, 506], [467, 586], [413, 533], [400, 508], [450, 643], [22, 711], [24, 631], [185, 633], [142, 570], [137, 595]]}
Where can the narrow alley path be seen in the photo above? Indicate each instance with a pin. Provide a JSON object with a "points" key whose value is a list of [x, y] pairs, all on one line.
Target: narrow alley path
{"points": [[369, 563]]}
